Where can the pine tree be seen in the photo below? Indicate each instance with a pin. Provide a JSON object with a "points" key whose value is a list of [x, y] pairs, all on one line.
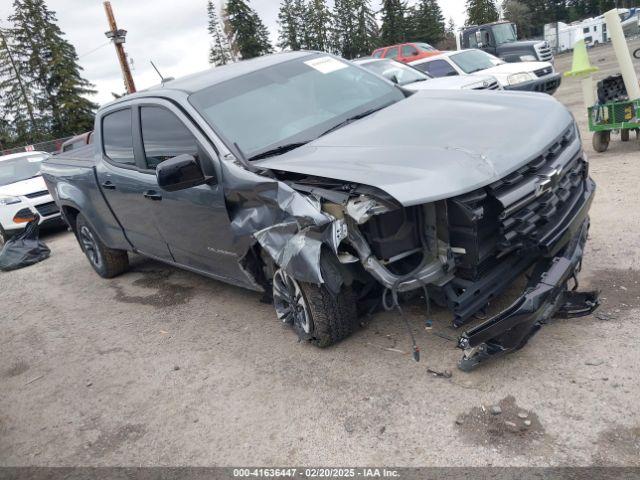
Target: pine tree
{"points": [[366, 32], [517, 12], [249, 35], [449, 40], [426, 22], [319, 21], [481, 11], [19, 124], [394, 23], [288, 34], [220, 51], [50, 63]]}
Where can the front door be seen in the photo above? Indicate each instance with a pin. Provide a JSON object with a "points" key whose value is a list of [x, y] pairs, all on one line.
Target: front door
{"points": [[126, 189], [194, 221]]}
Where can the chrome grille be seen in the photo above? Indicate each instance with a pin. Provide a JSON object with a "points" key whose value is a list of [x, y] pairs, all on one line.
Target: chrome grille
{"points": [[543, 72], [520, 211], [544, 52]]}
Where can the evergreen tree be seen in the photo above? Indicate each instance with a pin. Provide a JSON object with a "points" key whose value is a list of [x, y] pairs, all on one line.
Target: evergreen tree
{"points": [[449, 40], [366, 33], [19, 124], [288, 37], [394, 24], [481, 11], [517, 12], [426, 22], [49, 62], [319, 21], [249, 35], [220, 51]]}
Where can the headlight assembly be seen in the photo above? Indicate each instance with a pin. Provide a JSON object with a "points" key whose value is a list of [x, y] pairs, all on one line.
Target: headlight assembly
{"points": [[518, 78], [9, 200]]}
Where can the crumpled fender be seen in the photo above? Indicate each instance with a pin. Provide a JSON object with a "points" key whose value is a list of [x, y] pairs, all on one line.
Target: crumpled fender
{"points": [[290, 226]]}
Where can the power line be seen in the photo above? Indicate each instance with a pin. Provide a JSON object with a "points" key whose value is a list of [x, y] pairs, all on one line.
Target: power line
{"points": [[93, 50]]}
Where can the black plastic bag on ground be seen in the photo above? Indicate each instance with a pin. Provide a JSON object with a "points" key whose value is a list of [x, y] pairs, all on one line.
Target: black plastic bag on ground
{"points": [[24, 249]]}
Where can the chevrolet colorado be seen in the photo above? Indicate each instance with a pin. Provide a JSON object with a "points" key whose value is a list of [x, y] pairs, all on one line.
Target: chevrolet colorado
{"points": [[330, 189]]}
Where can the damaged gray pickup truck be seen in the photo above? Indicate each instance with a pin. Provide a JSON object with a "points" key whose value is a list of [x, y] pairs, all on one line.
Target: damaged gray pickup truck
{"points": [[334, 192]]}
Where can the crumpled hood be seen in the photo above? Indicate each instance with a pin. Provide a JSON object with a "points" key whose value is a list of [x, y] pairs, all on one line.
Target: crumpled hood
{"points": [[435, 144], [24, 187]]}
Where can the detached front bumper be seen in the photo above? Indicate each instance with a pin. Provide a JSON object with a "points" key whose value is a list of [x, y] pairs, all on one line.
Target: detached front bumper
{"points": [[547, 84], [547, 295]]}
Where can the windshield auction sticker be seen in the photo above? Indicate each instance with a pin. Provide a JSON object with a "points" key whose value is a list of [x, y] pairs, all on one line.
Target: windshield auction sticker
{"points": [[326, 64]]}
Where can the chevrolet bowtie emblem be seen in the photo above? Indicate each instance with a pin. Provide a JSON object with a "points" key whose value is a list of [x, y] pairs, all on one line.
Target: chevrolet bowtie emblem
{"points": [[548, 181]]}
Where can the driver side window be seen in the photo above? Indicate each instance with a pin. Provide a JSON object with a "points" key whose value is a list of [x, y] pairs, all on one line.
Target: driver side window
{"points": [[164, 136], [440, 68]]}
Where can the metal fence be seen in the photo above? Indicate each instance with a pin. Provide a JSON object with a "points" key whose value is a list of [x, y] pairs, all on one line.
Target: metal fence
{"points": [[48, 146]]}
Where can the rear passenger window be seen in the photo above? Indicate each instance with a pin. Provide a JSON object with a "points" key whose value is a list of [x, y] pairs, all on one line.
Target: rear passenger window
{"points": [[164, 136], [377, 54], [440, 68], [116, 137], [392, 53], [409, 51]]}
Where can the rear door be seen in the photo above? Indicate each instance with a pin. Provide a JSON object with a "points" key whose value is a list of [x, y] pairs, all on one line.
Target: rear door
{"points": [[127, 190], [194, 222]]}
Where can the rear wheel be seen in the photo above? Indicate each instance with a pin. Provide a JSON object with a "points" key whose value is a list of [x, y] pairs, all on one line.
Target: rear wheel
{"points": [[624, 135], [316, 314], [107, 262], [601, 141]]}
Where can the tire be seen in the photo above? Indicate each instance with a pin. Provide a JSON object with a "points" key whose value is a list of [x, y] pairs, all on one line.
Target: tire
{"points": [[624, 135], [316, 314], [3, 237], [601, 141], [637, 54], [106, 261]]}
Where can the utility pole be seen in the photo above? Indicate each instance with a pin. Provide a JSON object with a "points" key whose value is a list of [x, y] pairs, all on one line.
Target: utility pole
{"points": [[19, 79], [118, 38]]}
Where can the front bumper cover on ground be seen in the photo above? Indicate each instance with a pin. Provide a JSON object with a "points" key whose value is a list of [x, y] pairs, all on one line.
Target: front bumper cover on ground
{"points": [[547, 295]]}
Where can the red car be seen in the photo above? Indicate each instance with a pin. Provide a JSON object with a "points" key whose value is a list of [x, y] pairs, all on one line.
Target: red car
{"points": [[406, 52]]}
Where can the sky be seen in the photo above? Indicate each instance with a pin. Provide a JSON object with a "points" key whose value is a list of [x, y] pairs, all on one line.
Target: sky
{"points": [[172, 34]]}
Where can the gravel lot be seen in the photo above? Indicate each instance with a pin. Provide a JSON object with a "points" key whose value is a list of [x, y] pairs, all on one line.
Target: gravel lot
{"points": [[163, 367]]}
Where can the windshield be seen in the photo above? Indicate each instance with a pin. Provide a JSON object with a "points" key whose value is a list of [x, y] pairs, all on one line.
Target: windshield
{"points": [[294, 101], [18, 169], [396, 72], [504, 33], [471, 61]]}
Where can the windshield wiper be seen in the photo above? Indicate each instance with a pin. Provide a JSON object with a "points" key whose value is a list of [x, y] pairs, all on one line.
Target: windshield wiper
{"points": [[279, 150], [349, 120]]}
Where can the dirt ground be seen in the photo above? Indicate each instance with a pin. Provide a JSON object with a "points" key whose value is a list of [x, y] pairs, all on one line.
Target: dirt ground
{"points": [[163, 367]]}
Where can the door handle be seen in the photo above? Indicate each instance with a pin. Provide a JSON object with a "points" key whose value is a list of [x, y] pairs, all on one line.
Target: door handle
{"points": [[152, 195], [107, 185]]}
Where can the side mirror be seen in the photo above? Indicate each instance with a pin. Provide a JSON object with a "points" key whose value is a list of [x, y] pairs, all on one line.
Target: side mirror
{"points": [[179, 173], [394, 79], [415, 53]]}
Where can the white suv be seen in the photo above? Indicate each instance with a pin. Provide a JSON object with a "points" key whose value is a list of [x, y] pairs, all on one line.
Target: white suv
{"points": [[23, 193]]}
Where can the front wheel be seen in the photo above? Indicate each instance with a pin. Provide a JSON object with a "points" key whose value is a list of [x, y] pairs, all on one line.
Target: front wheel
{"points": [[107, 262], [316, 314], [601, 141], [637, 54]]}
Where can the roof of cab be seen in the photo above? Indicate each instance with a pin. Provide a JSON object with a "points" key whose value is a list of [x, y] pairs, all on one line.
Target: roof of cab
{"points": [[198, 81]]}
